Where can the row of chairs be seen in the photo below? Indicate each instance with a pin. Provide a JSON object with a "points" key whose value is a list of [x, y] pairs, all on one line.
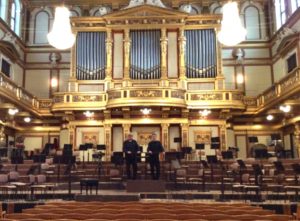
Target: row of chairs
{"points": [[147, 211]]}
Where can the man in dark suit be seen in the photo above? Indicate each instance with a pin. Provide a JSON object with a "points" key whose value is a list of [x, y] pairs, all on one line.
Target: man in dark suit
{"points": [[131, 149], [154, 149]]}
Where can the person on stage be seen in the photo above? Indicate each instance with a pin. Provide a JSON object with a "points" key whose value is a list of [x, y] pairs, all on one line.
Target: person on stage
{"points": [[154, 149], [131, 149]]}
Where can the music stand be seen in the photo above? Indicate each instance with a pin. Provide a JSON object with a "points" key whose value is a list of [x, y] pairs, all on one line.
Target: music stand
{"points": [[261, 154], [200, 146], [83, 148], [17, 157], [178, 140], [275, 137], [211, 160], [227, 155], [253, 139], [186, 151], [257, 172], [243, 167], [68, 150], [100, 154], [117, 158], [215, 143]]}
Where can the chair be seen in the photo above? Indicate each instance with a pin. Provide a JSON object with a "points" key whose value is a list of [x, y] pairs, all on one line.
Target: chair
{"points": [[5, 187], [180, 177]]}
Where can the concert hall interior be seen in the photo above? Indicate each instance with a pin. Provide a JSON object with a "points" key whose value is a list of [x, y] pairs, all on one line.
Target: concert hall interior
{"points": [[149, 110]]}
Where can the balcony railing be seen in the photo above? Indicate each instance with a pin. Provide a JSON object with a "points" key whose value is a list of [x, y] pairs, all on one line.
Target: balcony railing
{"points": [[79, 101], [281, 90], [154, 96], [215, 99], [11, 91]]}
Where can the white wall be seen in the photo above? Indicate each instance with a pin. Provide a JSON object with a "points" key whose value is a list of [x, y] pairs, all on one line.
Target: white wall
{"points": [[257, 79], [118, 56], [172, 55], [174, 131], [38, 82], [229, 75], [17, 75], [64, 76], [32, 143], [241, 143], [117, 138], [64, 137], [230, 142]]}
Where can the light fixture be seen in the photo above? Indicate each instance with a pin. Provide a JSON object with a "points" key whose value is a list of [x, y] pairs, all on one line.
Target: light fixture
{"points": [[146, 111], [270, 117], [54, 82], [240, 79], [285, 108], [61, 36], [27, 119], [232, 32], [204, 113], [13, 112], [88, 114]]}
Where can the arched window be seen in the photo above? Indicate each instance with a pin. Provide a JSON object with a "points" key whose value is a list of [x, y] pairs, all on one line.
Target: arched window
{"points": [[15, 14], [74, 13], [252, 23], [41, 27], [280, 11], [218, 10], [3, 9]]}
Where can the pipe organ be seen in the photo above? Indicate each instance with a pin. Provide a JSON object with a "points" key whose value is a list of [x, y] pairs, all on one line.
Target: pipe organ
{"points": [[90, 55], [201, 59], [145, 56]]}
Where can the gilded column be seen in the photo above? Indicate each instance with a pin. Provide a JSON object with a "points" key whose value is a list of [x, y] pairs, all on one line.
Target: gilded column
{"points": [[109, 46], [165, 136], [297, 137], [182, 52], [126, 130], [164, 47], [222, 129], [107, 139], [127, 44], [185, 135], [220, 80], [73, 80], [72, 135]]}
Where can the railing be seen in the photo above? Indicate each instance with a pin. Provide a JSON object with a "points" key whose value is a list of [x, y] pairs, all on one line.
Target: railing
{"points": [[12, 91], [215, 99], [280, 90], [154, 96], [79, 100]]}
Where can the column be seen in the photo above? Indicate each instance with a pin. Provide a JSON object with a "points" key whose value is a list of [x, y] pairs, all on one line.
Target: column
{"points": [[185, 135], [72, 131], [107, 140], [182, 52], [220, 80], [127, 44], [109, 46], [222, 129], [126, 130], [164, 47], [73, 81], [297, 137], [165, 136]]}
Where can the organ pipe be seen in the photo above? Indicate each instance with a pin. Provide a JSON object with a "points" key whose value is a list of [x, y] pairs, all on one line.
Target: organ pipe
{"points": [[200, 59], [91, 55]]}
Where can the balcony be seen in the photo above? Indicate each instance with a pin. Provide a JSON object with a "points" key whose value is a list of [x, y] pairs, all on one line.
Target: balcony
{"points": [[150, 96], [18, 95], [215, 99], [79, 101], [284, 89]]}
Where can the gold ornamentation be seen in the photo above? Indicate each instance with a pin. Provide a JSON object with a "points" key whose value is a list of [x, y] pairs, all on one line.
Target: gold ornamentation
{"points": [[202, 136], [87, 98], [145, 93], [207, 96]]}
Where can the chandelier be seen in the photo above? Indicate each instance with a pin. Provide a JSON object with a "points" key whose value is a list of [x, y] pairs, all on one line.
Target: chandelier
{"points": [[232, 32], [61, 36]]}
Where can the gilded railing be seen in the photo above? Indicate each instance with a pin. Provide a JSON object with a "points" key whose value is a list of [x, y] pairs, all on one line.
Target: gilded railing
{"points": [[281, 90], [154, 96], [79, 100], [13, 92], [215, 99]]}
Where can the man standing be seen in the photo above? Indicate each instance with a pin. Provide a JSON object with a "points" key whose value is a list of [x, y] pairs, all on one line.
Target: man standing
{"points": [[131, 149], [154, 149]]}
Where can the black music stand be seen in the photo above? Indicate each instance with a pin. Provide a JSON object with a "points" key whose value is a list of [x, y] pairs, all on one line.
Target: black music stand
{"points": [[186, 151], [89, 146], [261, 154], [243, 167], [253, 139], [83, 148], [41, 158], [200, 146], [212, 160], [117, 158], [227, 155], [100, 154], [178, 140], [17, 157], [215, 144], [296, 169], [258, 172]]}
